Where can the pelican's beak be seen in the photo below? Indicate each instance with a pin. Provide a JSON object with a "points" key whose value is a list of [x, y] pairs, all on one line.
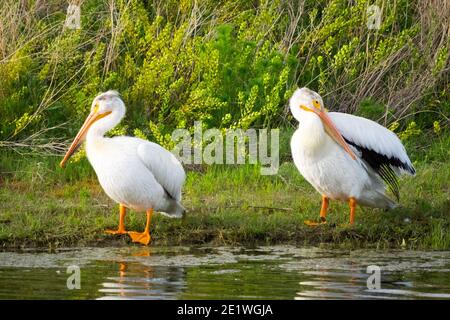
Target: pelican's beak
{"points": [[81, 135], [332, 131]]}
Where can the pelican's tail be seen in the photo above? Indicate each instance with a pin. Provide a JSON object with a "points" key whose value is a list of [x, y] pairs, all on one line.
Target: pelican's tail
{"points": [[174, 210], [387, 203], [378, 199]]}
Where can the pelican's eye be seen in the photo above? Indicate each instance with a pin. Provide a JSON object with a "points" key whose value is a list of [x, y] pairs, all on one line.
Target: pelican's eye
{"points": [[316, 104]]}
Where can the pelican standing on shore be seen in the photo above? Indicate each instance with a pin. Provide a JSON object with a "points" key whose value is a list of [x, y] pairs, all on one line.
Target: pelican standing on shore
{"points": [[137, 174], [345, 157]]}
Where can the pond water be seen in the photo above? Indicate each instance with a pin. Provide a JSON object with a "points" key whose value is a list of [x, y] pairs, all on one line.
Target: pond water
{"points": [[269, 272]]}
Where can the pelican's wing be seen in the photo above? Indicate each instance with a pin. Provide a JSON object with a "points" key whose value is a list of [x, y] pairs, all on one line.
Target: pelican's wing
{"points": [[166, 168], [377, 146]]}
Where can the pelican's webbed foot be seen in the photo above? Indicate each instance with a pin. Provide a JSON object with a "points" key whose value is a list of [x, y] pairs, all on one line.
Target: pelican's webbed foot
{"points": [[312, 223]]}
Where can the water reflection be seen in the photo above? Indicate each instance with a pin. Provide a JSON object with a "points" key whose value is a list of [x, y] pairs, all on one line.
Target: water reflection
{"points": [[135, 281], [278, 272], [138, 281]]}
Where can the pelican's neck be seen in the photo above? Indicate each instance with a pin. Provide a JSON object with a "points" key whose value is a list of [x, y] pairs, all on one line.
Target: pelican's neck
{"points": [[313, 133], [99, 128], [311, 123]]}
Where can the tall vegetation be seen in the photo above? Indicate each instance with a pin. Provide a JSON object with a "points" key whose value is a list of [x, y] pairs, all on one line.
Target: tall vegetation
{"points": [[225, 63]]}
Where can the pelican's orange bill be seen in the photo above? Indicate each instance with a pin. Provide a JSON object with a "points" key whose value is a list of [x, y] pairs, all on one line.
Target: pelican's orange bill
{"points": [[81, 135], [332, 131]]}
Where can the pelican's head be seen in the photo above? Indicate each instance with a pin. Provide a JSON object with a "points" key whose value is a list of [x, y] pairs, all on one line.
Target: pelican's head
{"points": [[107, 110], [305, 103], [305, 100], [108, 101]]}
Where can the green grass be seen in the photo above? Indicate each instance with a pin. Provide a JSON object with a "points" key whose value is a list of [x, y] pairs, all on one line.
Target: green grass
{"points": [[43, 205]]}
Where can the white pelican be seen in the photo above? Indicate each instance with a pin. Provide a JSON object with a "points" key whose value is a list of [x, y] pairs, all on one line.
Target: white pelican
{"points": [[135, 173], [345, 157]]}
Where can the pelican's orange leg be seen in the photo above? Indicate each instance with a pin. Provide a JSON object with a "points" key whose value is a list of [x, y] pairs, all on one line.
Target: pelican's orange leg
{"points": [[352, 204], [324, 209], [143, 237], [121, 228], [323, 214]]}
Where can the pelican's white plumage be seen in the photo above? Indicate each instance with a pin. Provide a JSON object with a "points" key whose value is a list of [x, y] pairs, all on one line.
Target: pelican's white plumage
{"points": [[345, 157], [165, 167], [136, 173], [373, 136]]}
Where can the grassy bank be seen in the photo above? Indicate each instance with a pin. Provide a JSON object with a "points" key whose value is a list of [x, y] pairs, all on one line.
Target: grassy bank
{"points": [[43, 205]]}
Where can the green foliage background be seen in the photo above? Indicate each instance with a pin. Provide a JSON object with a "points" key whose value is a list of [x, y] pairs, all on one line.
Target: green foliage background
{"points": [[226, 63]]}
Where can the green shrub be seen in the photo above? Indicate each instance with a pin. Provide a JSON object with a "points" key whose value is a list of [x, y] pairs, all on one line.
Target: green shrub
{"points": [[226, 63]]}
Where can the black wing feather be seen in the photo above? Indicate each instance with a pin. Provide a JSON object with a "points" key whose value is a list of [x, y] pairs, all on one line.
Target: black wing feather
{"points": [[383, 166]]}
